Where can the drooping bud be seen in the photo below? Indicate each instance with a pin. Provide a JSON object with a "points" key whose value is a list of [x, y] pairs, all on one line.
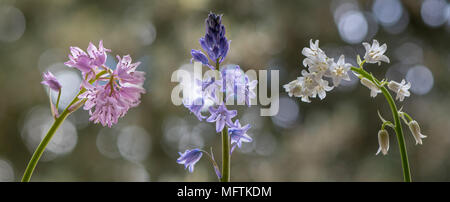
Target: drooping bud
{"points": [[374, 90], [383, 141], [402, 89], [189, 158], [415, 130], [50, 80]]}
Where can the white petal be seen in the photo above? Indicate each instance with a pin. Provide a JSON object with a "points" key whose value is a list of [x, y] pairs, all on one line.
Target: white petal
{"points": [[341, 60], [366, 46], [322, 94], [375, 44], [383, 48], [385, 59]]}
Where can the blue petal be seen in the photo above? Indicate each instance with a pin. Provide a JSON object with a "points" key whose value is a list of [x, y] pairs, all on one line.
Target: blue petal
{"points": [[199, 56]]}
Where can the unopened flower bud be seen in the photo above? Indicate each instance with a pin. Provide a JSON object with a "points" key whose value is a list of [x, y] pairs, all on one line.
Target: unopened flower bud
{"points": [[383, 141], [415, 130], [402, 89], [374, 90], [50, 80]]}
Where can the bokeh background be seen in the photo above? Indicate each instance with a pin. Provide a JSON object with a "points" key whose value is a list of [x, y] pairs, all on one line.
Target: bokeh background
{"points": [[330, 140]]}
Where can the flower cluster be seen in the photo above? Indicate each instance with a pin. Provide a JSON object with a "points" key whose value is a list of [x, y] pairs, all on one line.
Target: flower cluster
{"points": [[110, 100], [107, 93], [232, 84], [312, 82], [229, 84], [214, 43], [320, 66]]}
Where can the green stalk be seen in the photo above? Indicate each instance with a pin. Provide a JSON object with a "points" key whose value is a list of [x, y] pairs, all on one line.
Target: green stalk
{"points": [[58, 121], [225, 144], [40, 149], [225, 156], [397, 127], [57, 101]]}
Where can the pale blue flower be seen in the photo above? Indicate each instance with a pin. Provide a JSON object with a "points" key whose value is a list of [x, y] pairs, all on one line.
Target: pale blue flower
{"points": [[238, 134], [221, 116], [189, 158]]}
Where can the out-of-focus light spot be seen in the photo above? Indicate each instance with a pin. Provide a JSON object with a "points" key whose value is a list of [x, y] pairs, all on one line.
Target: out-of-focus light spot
{"points": [[6, 171], [36, 125], [372, 25], [189, 141], [134, 143], [288, 113], [107, 142], [80, 119], [265, 144], [353, 27], [388, 12], [12, 24], [409, 53], [340, 7], [145, 32], [421, 79], [397, 72], [131, 172], [434, 12], [204, 129], [447, 11], [64, 140], [193, 4], [400, 26], [70, 81], [179, 135], [251, 115], [50, 57], [173, 128]]}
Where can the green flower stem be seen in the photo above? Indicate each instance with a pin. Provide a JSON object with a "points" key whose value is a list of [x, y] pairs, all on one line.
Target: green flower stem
{"points": [[397, 127], [225, 156], [226, 161], [40, 149], [213, 162], [407, 116], [58, 121], [57, 100], [387, 123]]}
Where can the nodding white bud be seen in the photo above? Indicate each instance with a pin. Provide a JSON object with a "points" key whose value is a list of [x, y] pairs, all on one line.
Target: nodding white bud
{"points": [[415, 130], [402, 89], [374, 90], [394, 86], [383, 141]]}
